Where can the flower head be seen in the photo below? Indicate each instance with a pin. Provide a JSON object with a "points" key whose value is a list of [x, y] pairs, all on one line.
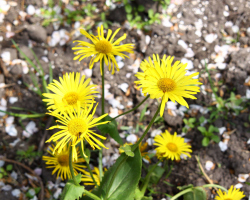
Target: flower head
{"points": [[75, 127], [171, 146], [233, 194], [102, 48], [87, 179], [162, 80], [69, 92], [60, 161]]}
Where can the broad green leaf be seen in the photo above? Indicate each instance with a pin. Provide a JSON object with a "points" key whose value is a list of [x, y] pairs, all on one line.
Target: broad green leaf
{"points": [[127, 150], [191, 120], [147, 198], [201, 119], [129, 17], [121, 180], [216, 138], [205, 141], [111, 129], [156, 175], [198, 193], [138, 194], [202, 129], [211, 129], [72, 191], [150, 13], [128, 8], [9, 167], [141, 8]]}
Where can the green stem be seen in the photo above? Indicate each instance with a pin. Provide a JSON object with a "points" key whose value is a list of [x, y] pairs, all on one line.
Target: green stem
{"points": [[71, 167], [131, 109], [146, 131], [103, 100], [91, 195], [215, 186], [147, 178], [24, 115], [87, 163], [103, 112], [181, 193]]}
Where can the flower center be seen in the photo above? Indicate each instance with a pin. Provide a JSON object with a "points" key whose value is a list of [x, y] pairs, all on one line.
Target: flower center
{"points": [[103, 46], [228, 199], [63, 160], [71, 98], [166, 84], [172, 147], [77, 126]]}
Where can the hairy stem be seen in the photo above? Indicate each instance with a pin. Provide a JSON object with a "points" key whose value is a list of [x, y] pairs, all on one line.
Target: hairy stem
{"points": [[71, 167]]}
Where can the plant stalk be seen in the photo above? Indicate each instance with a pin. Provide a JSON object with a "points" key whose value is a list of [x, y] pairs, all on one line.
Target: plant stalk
{"points": [[71, 167], [181, 193], [215, 186], [91, 195], [103, 112], [146, 131], [131, 109]]}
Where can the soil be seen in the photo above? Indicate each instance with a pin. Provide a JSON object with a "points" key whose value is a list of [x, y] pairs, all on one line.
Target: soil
{"points": [[163, 40]]}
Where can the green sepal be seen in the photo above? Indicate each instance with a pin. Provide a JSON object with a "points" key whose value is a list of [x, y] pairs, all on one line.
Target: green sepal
{"points": [[111, 129], [72, 191]]}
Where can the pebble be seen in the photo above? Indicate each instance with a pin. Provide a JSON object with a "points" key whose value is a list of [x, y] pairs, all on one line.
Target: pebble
{"points": [[16, 193], [13, 100], [132, 138], [123, 87], [210, 38], [2, 163], [209, 165], [243, 177], [223, 146], [31, 10], [30, 129]]}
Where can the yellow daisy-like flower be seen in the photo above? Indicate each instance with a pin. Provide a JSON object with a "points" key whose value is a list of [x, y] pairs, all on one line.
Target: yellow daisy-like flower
{"points": [[87, 179], [233, 194], [162, 80], [102, 48], [75, 127], [60, 161], [69, 92], [171, 146]]}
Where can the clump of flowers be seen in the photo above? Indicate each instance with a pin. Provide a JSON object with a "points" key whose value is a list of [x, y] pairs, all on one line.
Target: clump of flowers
{"points": [[171, 146], [161, 79], [102, 48], [233, 194]]}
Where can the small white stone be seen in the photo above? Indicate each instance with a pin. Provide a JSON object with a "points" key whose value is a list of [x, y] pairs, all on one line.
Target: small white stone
{"points": [[150, 141], [13, 100], [16, 192], [223, 146], [198, 33], [34, 198], [30, 129], [32, 192], [222, 130], [228, 24], [226, 14], [6, 57], [248, 141], [31, 10], [155, 133], [88, 72], [235, 29], [243, 177], [6, 188], [15, 142], [45, 59], [210, 38], [9, 120], [123, 87], [11, 130], [147, 39], [183, 44], [38, 171], [57, 193], [209, 165], [248, 94], [171, 105], [238, 186], [120, 64], [189, 53], [13, 175], [132, 138], [190, 64], [221, 66]]}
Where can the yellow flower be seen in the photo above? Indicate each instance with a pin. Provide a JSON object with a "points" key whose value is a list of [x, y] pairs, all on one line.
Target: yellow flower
{"points": [[162, 80], [171, 146], [60, 161], [69, 92], [75, 127], [87, 179], [233, 194], [102, 48]]}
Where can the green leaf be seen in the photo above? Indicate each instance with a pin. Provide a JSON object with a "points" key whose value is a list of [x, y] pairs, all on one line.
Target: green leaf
{"points": [[9, 167], [127, 150], [211, 129], [150, 13], [191, 120], [156, 175], [141, 8], [111, 129], [201, 119], [205, 141], [202, 129], [147, 198], [198, 193], [216, 138], [72, 191], [128, 8], [121, 180], [129, 17]]}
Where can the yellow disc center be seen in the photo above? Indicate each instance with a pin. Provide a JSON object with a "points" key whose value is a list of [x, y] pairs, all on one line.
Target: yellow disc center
{"points": [[172, 147], [228, 199], [63, 160], [103, 46], [77, 127], [166, 84], [71, 98]]}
